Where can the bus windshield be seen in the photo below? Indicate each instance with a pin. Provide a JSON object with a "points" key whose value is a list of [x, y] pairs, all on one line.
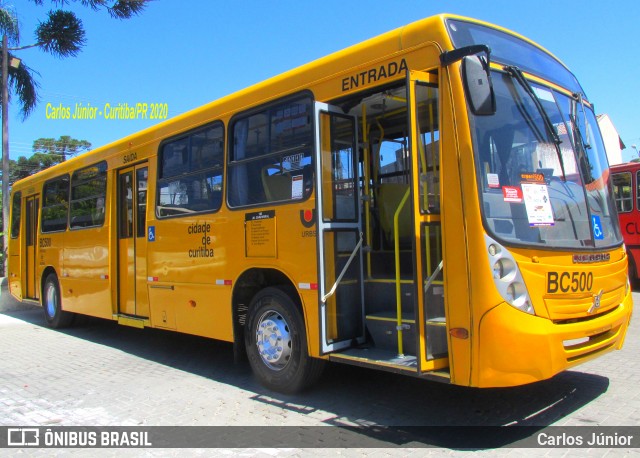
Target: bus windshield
{"points": [[542, 169], [511, 50]]}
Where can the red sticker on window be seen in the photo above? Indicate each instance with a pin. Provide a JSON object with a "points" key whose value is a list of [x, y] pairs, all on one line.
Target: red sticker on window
{"points": [[512, 194]]}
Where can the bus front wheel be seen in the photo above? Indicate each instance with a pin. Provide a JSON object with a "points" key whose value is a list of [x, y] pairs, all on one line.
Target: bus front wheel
{"points": [[52, 305], [276, 343]]}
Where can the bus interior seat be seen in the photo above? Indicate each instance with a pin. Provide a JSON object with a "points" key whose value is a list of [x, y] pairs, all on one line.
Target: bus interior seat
{"points": [[277, 186]]}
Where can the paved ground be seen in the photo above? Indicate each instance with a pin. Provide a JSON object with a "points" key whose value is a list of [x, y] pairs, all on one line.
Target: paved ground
{"points": [[99, 373]]}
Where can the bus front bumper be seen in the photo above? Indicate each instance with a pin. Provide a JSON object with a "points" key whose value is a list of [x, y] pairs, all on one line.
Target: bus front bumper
{"points": [[515, 348]]}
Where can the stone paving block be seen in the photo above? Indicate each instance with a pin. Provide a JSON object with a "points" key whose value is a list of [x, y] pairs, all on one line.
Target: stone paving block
{"points": [[105, 374]]}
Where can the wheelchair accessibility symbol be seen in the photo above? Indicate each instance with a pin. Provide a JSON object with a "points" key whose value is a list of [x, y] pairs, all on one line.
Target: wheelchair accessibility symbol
{"points": [[598, 233], [152, 234]]}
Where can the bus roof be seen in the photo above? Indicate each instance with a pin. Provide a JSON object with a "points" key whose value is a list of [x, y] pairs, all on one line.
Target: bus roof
{"points": [[626, 166]]}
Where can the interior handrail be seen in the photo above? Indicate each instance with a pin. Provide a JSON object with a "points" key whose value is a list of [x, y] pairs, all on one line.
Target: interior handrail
{"points": [[428, 283], [344, 271], [396, 236]]}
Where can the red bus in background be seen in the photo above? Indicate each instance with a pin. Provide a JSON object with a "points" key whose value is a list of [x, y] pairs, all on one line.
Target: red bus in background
{"points": [[626, 191]]}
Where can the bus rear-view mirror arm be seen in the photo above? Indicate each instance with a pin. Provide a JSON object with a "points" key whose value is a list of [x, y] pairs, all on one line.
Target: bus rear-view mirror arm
{"points": [[476, 77]]}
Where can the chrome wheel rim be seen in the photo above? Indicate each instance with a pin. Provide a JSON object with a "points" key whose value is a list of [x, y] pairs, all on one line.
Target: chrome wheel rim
{"points": [[273, 340]]}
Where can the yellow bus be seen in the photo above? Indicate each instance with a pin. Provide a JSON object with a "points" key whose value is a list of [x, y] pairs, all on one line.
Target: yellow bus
{"points": [[434, 201]]}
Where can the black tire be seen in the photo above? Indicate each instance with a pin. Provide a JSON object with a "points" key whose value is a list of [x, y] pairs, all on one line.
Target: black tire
{"points": [[52, 304], [632, 273], [276, 343]]}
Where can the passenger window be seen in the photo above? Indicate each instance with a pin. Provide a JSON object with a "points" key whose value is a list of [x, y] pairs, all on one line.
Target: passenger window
{"points": [[271, 155], [190, 176], [88, 194], [15, 214], [622, 191], [55, 208]]}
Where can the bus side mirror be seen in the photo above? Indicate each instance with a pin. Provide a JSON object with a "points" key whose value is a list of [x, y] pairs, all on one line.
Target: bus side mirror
{"points": [[477, 85]]}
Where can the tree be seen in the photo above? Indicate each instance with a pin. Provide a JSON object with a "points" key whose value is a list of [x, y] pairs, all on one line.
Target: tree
{"points": [[62, 35], [46, 152], [59, 149]]}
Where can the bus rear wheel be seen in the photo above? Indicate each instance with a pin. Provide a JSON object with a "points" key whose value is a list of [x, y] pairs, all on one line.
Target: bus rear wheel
{"points": [[52, 304], [276, 343]]}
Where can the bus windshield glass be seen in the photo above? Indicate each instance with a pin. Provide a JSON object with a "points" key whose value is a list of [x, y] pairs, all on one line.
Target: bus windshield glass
{"points": [[511, 50], [542, 169]]}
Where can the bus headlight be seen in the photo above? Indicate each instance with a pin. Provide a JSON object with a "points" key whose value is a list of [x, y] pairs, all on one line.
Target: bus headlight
{"points": [[504, 269], [507, 277]]}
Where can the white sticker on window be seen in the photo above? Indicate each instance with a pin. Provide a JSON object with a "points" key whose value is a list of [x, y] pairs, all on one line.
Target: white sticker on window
{"points": [[493, 180], [296, 187], [538, 205]]}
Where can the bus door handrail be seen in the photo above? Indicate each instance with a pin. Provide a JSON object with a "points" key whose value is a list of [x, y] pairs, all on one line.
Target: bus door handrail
{"points": [[396, 236], [432, 278], [332, 291]]}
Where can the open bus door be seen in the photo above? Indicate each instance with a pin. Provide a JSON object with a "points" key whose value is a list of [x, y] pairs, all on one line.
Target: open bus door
{"points": [[339, 230], [423, 97], [31, 248]]}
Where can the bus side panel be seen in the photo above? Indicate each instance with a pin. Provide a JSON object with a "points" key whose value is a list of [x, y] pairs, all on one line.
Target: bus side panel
{"points": [[630, 226], [628, 211], [189, 281], [204, 310], [85, 285], [298, 260], [51, 258], [15, 277], [634, 257]]}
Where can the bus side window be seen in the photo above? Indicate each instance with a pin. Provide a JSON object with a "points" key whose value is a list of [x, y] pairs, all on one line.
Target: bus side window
{"points": [[16, 208], [88, 194], [270, 159], [190, 176], [55, 206], [622, 191]]}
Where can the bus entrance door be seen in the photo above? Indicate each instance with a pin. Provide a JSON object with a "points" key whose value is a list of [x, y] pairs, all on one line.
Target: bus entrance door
{"points": [[132, 242], [32, 290], [339, 230]]}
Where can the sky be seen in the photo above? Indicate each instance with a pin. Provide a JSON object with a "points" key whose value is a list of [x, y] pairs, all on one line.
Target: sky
{"points": [[187, 53]]}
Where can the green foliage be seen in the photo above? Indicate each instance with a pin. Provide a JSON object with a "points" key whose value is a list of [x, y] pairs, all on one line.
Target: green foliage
{"points": [[24, 86], [62, 147], [9, 24], [47, 152], [120, 9], [62, 34]]}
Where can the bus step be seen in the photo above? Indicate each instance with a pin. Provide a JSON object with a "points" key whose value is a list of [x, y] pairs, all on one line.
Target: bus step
{"points": [[438, 375], [133, 321], [375, 357], [383, 328]]}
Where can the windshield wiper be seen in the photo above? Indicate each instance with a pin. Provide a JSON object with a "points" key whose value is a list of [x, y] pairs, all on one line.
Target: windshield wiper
{"points": [[517, 75], [581, 144], [574, 118]]}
